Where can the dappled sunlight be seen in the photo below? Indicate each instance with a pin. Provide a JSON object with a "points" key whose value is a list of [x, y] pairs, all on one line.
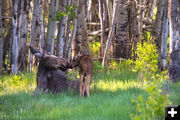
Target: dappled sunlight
{"points": [[16, 83], [113, 86], [21, 86]]}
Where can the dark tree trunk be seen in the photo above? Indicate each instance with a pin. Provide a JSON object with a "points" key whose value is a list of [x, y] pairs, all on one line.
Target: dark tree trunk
{"points": [[33, 28], [164, 35], [22, 35], [1, 39], [174, 64], [121, 40]]}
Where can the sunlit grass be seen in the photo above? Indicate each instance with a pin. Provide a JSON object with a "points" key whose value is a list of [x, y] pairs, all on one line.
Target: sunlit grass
{"points": [[15, 83], [113, 86]]}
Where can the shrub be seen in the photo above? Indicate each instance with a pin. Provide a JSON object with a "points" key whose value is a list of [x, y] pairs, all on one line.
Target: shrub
{"points": [[147, 58], [152, 108]]}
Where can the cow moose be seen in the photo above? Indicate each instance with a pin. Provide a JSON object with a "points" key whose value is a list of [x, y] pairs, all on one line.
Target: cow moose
{"points": [[50, 76], [85, 64]]}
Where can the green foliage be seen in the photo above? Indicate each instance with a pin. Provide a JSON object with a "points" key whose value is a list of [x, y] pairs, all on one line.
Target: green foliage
{"points": [[69, 11], [147, 57], [97, 67], [94, 45], [153, 108]]}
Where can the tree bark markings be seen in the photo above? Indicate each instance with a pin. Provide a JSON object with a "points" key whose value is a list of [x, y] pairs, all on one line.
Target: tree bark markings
{"points": [[61, 32], [158, 23], [111, 33], [164, 36], [51, 30], [174, 64], [101, 51], [33, 27], [14, 41]]}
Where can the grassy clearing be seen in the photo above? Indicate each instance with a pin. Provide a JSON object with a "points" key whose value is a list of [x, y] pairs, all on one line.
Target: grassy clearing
{"points": [[111, 100]]}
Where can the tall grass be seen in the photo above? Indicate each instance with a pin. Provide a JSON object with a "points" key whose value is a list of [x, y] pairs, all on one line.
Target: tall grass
{"points": [[111, 100]]}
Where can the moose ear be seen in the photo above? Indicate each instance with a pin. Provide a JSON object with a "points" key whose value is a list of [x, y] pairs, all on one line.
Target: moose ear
{"points": [[35, 52]]}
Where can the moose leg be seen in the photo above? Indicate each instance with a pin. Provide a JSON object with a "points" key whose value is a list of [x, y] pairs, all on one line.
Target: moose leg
{"points": [[81, 88], [88, 84]]}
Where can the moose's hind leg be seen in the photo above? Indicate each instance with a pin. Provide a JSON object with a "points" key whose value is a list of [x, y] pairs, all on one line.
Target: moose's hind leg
{"points": [[88, 85], [81, 86]]}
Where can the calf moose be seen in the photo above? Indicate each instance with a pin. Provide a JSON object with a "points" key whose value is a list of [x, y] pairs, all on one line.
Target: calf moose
{"points": [[85, 64]]}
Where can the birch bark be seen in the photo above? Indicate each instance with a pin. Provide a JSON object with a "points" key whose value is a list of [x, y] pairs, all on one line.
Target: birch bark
{"points": [[15, 35]]}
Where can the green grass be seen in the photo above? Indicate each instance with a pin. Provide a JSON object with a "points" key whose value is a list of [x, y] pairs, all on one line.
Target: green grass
{"points": [[174, 96], [111, 100]]}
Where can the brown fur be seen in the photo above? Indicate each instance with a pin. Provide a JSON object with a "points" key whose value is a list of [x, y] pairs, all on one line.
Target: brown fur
{"points": [[50, 77], [85, 64]]}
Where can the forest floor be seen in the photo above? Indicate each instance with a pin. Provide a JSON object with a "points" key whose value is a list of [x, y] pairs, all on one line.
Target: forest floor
{"points": [[111, 100]]}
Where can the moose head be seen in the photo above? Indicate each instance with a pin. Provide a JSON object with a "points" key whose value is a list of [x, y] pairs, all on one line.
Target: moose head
{"points": [[50, 61], [76, 60]]}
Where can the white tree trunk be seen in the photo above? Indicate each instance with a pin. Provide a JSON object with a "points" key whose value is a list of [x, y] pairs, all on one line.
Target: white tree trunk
{"points": [[51, 30], [15, 35], [1, 39], [41, 34], [174, 20], [61, 32], [72, 37], [102, 28], [174, 23], [158, 22], [111, 33]]}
